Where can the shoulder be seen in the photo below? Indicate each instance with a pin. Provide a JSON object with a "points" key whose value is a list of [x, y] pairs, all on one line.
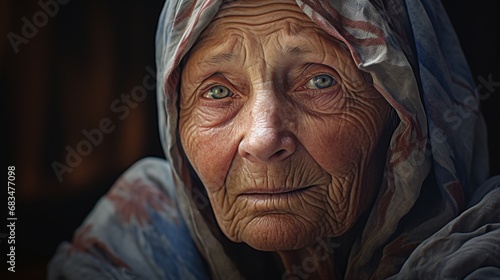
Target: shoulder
{"points": [[468, 247], [135, 228]]}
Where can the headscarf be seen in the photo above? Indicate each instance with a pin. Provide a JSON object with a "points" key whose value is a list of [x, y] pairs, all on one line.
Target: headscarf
{"points": [[437, 155], [156, 221]]}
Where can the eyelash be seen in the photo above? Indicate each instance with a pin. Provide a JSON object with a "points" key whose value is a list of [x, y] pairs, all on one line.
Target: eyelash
{"points": [[204, 91], [302, 87]]}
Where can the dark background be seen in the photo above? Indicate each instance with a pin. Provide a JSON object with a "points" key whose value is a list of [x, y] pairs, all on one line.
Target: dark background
{"points": [[65, 78]]}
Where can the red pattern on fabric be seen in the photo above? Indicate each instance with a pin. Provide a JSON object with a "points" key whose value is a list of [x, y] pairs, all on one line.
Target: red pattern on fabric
{"points": [[184, 14], [84, 242], [131, 200], [339, 22]]}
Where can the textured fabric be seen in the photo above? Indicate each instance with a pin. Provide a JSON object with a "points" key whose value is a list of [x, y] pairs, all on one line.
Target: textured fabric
{"points": [[436, 161], [468, 247], [134, 232]]}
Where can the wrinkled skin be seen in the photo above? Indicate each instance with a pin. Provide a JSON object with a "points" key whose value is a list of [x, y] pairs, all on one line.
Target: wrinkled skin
{"points": [[281, 126]]}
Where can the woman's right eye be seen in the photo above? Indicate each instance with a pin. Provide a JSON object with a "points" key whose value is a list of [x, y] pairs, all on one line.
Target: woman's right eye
{"points": [[219, 92]]}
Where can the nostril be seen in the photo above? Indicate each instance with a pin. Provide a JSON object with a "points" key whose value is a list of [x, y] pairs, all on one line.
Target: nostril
{"points": [[274, 149], [287, 149], [280, 153], [267, 138]]}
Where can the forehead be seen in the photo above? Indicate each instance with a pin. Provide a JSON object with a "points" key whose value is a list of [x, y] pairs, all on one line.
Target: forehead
{"points": [[255, 8], [279, 25], [259, 17]]}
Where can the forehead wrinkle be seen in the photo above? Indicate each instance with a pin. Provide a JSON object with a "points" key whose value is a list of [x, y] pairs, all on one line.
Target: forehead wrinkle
{"points": [[219, 53], [261, 15], [251, 10], [251, 18]]}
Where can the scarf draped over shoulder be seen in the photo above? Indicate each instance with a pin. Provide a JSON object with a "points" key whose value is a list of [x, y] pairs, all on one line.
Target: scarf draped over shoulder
{"points": [[435, 181]]}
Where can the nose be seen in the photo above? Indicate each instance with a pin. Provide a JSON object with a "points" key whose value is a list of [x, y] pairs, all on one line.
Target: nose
{"points": [[267, 137]]}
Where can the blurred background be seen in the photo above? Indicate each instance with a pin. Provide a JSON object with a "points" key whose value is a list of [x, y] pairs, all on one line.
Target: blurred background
{"points": [[76, 79]]}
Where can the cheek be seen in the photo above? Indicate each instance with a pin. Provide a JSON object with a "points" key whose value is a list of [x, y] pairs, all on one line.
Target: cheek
{"points": [[341, 137], [209, 150], [348, 143], [337, 149]]}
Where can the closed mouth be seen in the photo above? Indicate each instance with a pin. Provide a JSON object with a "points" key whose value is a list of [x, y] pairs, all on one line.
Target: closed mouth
{"points": [[275, 192]]}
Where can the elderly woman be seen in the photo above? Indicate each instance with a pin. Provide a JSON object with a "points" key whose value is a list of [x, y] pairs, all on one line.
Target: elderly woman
{"points": [[304, 140]]}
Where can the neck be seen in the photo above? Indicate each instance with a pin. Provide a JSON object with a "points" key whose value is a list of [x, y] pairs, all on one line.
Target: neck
{"points": [[314, 262]]}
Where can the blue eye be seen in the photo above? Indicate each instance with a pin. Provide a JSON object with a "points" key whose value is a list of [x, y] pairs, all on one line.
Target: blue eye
{"points": [[321, 82], [219, 92]]}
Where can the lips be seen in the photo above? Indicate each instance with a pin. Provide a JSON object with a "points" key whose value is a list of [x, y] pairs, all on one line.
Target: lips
{"points": [[274, 192], [274, 201]]}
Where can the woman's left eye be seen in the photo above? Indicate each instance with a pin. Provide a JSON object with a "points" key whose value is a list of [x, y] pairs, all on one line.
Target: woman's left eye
{"points": [[320, 82], [219, 92]]}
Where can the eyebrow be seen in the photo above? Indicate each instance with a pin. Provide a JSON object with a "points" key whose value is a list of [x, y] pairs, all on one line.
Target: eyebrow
{"points": [[218, 58], [297, 51], [229, 56]]}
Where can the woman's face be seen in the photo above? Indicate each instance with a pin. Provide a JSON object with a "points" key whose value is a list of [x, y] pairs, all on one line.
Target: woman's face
{"points": [[280, 125]]}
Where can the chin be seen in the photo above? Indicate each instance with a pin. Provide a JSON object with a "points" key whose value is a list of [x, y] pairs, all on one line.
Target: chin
{"points": [[278, 232]]}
